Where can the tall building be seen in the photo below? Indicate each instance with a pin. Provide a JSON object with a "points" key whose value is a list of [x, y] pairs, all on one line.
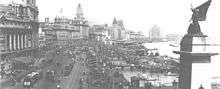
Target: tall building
{"points": [[65, 31], [48, 37], [117, 30], [61, 31], [154, 33], [18, 28], [81, 23]]}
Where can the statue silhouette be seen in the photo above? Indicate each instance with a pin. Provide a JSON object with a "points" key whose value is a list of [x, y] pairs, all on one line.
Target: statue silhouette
{"points": [[199, 14]]}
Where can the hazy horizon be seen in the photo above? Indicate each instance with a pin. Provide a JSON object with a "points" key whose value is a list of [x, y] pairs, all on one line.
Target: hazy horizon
{"points": [[172, 16]]}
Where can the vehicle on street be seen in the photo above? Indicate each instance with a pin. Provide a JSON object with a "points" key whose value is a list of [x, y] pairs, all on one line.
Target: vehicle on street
{"points": [[50, 75], [31, 79], [68, 69]]}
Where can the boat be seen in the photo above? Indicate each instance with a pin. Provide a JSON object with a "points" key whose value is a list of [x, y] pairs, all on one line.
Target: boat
{"points": [[174, 44], [171, 74]]}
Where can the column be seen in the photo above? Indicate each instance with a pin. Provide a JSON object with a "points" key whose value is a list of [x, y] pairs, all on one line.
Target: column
{"points": [[23, 35], [27, 38], [25, 41], [22, 40], [15, 42], [186, 71], [18, 41], [20, 46], [8, 42], [12, 41]]}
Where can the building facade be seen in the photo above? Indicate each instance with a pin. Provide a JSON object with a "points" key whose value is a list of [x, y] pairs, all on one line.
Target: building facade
{"points": [[65, 31], [136, 36], [154, 33], [101, 33], [42, 39], [81, 23], [61, 31], [117, 30], [18, 29], [173, 37], [48, 35]]}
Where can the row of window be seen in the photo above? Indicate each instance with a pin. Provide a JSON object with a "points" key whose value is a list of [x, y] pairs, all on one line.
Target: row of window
{"points": [[4, 23]]}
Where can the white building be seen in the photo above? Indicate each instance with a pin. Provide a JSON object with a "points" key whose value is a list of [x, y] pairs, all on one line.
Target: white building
{"points": [[117, 30], [101, 33], [81, 23], [154, 33]]}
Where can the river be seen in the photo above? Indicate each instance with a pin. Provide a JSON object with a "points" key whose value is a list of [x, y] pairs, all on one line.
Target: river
{"points": [[201, 72]]}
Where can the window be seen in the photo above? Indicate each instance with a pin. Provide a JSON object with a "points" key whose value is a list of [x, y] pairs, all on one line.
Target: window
{"points": [[3, 50], [2, 41]]}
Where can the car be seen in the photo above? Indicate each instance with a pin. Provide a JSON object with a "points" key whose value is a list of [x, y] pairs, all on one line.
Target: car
{"points": [[31, 79], [50, 75], [68, 69]]}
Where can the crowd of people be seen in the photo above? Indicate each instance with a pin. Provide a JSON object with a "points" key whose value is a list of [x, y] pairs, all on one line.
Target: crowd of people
{"points": [[98, 58]]}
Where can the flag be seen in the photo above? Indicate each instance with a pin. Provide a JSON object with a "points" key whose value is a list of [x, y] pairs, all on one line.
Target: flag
{"points": [[199, 13]]}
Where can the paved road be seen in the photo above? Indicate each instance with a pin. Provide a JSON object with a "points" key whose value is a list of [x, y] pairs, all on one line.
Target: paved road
{"points": [[48, 84], [44, 83], [72, 82]]}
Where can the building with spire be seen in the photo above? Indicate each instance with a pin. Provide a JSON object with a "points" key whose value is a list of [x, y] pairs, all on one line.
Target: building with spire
{"points": [[117, 30], [66, 30], [60, 31], [81, 23]]}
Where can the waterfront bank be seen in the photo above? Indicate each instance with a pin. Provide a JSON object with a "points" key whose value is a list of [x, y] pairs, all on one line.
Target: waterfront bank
{"points": [[198, 68]]}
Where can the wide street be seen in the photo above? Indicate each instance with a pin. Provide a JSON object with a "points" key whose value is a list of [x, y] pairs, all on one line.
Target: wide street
{"points": [[72, 82], [45, 66]]}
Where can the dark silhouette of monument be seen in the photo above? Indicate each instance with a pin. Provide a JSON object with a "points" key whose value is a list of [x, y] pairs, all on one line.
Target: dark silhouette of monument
{"points": [[193, 47], [199, 14]]}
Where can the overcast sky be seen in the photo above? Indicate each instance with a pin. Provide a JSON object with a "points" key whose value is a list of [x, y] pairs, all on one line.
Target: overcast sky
{"points": [[172, 16]]}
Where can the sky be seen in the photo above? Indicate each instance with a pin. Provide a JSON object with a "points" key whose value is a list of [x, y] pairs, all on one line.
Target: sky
{"points": [[172, 16]]}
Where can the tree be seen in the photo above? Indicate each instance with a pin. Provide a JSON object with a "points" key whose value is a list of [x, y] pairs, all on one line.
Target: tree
{"points": [[157, 54]]}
